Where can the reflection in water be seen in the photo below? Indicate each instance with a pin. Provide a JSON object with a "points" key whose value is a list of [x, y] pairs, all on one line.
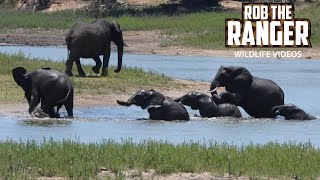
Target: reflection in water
{"points": [[300, 81], [45, 122]]}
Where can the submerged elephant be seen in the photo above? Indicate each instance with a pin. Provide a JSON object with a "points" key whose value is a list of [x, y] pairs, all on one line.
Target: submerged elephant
{"points": [[207, 106], [90, 40], [50, 87], [290, 111], [159, 106], [255, 95]]}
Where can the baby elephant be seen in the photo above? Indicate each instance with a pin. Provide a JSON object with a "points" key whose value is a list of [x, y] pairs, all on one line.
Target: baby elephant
{"points": [[290, 111], [159, 106], [207, 107], [50, 87]]}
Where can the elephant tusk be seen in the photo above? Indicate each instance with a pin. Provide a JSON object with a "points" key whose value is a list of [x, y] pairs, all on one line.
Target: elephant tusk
{"points": [[278, 112], [125, 45], [213, 90]]}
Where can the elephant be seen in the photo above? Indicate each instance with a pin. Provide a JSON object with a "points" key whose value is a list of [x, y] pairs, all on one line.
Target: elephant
{"points": [[207, 106], [50, 87], [90, 40], [257, 96], [290, 111], [159, 106]]}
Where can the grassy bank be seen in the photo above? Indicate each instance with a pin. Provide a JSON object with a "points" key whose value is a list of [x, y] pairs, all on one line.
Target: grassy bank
{"points": [[128, 79], [202, 30], [78, 160]]}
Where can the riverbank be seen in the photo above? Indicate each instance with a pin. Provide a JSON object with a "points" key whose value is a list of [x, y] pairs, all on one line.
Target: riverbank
{"points": [[192, 34], [149, 159], [87, 99], [140, 42], [92, 90]]}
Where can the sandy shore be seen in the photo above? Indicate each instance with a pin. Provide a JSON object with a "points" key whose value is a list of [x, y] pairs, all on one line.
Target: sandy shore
{"points": [[87, 100]]}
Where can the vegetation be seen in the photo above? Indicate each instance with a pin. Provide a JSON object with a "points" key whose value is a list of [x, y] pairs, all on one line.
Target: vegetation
{"points": [[78, 160], [205, 31], [127, 80], [9, 3]]}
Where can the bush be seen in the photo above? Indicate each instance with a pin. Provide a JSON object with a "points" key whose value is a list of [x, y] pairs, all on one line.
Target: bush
{"points": [[196, 3], [7, 2]]}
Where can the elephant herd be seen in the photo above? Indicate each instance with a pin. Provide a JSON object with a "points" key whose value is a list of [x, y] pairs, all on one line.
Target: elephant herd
{"points": [[260, 98]]}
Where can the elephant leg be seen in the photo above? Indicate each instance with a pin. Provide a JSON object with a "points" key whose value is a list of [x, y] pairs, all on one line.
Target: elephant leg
{"points": [[106, 58], [69, 65], [35, 100], [96, 68], [58, 108], [232, 98], [48, 104], [216, 98], [69, 105], [79, 67], [155, 114], [49, 109]]}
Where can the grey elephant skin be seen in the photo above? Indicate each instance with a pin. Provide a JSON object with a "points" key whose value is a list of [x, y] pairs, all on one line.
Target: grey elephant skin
{"points": [[207, 106], [90, 40], [159, 106], [292, 112], [50, 87], [257, 96]]}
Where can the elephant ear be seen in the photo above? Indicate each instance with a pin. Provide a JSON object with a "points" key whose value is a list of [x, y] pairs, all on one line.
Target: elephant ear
{"points": [[20, 77], [155, 100], [115, 26], [242, 75]]}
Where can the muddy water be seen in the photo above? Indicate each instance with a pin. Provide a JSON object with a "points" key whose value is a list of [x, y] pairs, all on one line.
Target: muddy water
{"points": [[299, 79]]}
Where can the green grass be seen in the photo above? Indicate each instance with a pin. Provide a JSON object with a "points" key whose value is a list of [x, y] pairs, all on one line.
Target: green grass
{"points": [[78, 160], [127, 80], [311, 13], [202, 30]]}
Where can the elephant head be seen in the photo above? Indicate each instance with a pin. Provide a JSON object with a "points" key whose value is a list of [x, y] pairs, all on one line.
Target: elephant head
{"points": [[21, 77], [117, 38], [290, 111], [193, 99], [230, 75], [145, 99]]}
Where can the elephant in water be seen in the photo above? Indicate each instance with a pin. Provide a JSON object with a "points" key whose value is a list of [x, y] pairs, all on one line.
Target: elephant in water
{"points": [[90, 40], [50, 87], [257, 96], [290, 111], [207, 107], [158, 106]]}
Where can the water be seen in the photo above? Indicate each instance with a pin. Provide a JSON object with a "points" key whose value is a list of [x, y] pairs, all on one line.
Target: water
{"points": [[93, 124], [299, 79]]}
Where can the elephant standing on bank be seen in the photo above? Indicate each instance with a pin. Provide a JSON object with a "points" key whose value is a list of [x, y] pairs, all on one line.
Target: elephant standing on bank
{"points": [[255, 95], [90, 40], [290, 111], [159, 106], [50, 87], [207, 106]]}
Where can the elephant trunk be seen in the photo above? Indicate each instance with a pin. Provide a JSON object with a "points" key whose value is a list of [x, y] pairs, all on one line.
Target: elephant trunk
{"points": [[278, 110], [178, 99], [27, 94], [128, 103], [122, 103], [213, 87], [120, 55]]}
